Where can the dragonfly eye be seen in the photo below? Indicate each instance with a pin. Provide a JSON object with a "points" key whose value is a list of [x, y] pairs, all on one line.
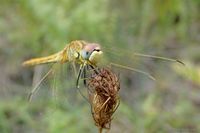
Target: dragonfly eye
{"points": [[85, 54]]}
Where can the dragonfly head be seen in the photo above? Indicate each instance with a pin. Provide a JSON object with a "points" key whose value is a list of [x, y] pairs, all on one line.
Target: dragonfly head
{"points": [[92, 53]]}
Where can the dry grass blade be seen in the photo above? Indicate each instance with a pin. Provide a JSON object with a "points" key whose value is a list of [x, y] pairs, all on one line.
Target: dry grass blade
{"points": [[103, 91]]}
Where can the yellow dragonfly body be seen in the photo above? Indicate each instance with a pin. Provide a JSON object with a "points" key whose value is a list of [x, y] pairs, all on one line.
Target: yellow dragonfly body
{"points": [[85, 54], [80, 52], [77, 51]]}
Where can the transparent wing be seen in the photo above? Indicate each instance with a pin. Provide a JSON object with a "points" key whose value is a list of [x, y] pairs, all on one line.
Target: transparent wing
{"points": [[56, 84], [132, 61], [38, 80]]}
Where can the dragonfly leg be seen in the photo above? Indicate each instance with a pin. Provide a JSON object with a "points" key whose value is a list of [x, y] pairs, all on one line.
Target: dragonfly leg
{"points": [[79, 75], [84, 76], [81, 69], [94, 68]]}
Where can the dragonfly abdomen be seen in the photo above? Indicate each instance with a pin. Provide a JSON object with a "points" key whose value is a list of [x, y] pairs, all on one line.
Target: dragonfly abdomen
{"points": [[43, 60]]}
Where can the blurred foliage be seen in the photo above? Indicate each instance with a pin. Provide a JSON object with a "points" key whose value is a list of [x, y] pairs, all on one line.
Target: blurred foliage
{"points": [[30, 28], [190, 72]]}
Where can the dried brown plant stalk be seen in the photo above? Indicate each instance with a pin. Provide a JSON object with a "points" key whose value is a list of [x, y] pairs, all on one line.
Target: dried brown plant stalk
{"points": [[103, 88]]}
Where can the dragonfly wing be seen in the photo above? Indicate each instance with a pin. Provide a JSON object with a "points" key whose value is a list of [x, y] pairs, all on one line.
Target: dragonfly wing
{"points": [[127, 59], [55, 79], [124, 61], [66, 79], [36, 83]]}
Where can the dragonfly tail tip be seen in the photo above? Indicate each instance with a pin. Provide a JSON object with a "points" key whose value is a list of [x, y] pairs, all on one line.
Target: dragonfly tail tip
{"points": [[152, 78], [180, 62]]}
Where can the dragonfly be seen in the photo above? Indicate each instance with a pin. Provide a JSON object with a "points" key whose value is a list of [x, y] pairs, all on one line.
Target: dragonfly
{"points": [[85, 54]]}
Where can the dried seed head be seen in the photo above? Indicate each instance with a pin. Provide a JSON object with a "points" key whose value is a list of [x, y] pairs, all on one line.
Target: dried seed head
{"points": [[103, 91]]}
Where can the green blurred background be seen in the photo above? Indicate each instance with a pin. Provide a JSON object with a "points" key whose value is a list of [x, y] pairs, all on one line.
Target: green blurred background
{"points": [[171, 28]]}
